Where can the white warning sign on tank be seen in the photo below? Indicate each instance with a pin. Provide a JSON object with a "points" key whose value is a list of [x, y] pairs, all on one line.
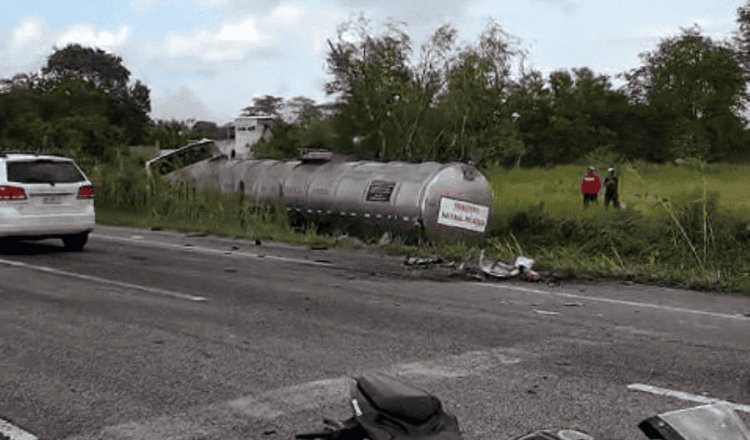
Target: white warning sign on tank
{"points": [[461, 214]]}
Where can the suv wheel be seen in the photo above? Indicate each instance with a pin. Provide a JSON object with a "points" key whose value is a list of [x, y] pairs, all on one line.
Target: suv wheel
{"points": [[75, 242]]}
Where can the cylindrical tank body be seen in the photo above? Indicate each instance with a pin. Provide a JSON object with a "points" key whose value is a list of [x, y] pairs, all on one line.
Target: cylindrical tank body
{"points": [[439, 200]]}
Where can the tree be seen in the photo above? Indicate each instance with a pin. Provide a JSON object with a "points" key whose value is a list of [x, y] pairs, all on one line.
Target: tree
{"points": [[266, 105], [205, 129], [130, 105], [742, 38], [95, 66], [302, 109], [370, 75], [694, 87], [168, 134]]}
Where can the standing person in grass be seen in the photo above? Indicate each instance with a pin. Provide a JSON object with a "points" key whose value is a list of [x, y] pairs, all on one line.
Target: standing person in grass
{"points": [[590, 186], [611, 189]]}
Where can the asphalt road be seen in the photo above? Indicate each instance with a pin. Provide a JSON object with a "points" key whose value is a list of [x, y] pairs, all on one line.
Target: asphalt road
{"points": [[156, 335]]}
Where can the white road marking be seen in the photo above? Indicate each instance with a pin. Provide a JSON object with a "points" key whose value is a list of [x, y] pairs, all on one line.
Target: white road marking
{"points": [[685, 396], [211, 251], [14, 432], [105, 281], [208, 420], [617, 301]]}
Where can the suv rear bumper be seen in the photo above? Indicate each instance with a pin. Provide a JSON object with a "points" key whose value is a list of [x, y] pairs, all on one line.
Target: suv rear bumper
{"points": [[48, 225]]}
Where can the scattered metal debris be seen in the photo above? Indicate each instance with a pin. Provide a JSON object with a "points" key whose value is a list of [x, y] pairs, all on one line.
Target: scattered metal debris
{"points": [[483, 268], [422, 261], [521, 267]]}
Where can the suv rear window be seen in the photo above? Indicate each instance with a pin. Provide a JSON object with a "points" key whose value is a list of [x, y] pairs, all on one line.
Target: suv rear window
{"points": [[44, 171]]}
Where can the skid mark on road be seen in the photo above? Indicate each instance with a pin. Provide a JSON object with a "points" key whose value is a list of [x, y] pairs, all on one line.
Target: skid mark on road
{"points": [[13, 432], [210, 251], [104, 281], [210, 420], [617, 302], [685, 396]]}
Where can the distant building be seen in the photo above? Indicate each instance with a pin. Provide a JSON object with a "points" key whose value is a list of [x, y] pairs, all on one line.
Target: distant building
{"points": [[248, 130]]}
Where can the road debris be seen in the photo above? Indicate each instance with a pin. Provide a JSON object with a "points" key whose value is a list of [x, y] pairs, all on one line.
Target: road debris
{"points": [[573, 304], [385, 240], [521, 267], [545, 312], [482, 268], [422, 261]]}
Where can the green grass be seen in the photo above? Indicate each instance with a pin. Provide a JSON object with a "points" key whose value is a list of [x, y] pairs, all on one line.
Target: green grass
{"points": [[642, 186]]}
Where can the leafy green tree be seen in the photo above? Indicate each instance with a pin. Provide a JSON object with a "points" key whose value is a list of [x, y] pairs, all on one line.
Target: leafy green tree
{"points": [[371, 74], [168, 134], [130, 105], [694, 87], [742, 38], [266, 105], [302, 109]]}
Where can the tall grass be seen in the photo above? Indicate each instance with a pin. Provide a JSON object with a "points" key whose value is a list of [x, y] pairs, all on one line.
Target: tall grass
{"points": [[687, 224], [128, 196]]}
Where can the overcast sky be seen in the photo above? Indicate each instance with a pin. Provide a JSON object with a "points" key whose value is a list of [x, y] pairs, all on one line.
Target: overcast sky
{"points": [[207, 59]]}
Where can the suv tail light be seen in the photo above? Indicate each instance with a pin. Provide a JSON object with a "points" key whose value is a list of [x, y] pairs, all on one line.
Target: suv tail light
{"points": [[8, 192], [86, 192]]}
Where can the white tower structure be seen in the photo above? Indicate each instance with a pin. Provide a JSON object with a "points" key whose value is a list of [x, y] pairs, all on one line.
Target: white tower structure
{"points": [[248, 130]]}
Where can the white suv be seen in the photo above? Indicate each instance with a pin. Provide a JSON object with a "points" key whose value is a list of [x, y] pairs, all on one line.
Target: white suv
{"points": [[44, 196]]}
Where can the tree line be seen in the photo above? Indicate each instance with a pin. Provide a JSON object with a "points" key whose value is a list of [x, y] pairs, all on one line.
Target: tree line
{"points": [[442, 100], [477, 102]]}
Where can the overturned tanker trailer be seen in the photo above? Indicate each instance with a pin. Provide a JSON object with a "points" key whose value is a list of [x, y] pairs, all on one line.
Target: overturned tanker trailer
{"points": [[433, 200]]}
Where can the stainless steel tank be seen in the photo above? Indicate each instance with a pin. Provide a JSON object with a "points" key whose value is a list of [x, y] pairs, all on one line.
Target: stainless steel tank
{"points": [[439, 200]]}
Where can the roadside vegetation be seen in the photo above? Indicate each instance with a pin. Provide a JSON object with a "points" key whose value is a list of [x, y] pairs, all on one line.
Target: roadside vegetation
{"points": [[679, 234], [675, 129]]}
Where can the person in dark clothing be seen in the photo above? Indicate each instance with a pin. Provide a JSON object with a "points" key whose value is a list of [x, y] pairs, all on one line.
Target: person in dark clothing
{"points": [[590, 187], [611, 189]]}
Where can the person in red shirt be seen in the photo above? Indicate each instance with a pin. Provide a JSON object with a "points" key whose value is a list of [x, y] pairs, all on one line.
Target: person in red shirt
{"points": [[590, 186]]}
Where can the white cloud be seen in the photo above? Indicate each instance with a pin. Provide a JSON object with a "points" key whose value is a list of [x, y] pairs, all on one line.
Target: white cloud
{"points": [[711, 28], [27, 33], [87, 35], [25, 47], [567, 6], [286, 15], [412, 12], [231, 42], [238, 40], [654, 32]]}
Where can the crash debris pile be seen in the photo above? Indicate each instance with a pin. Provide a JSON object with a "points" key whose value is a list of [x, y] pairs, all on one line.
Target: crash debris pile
{"points": [[484, 268]]}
